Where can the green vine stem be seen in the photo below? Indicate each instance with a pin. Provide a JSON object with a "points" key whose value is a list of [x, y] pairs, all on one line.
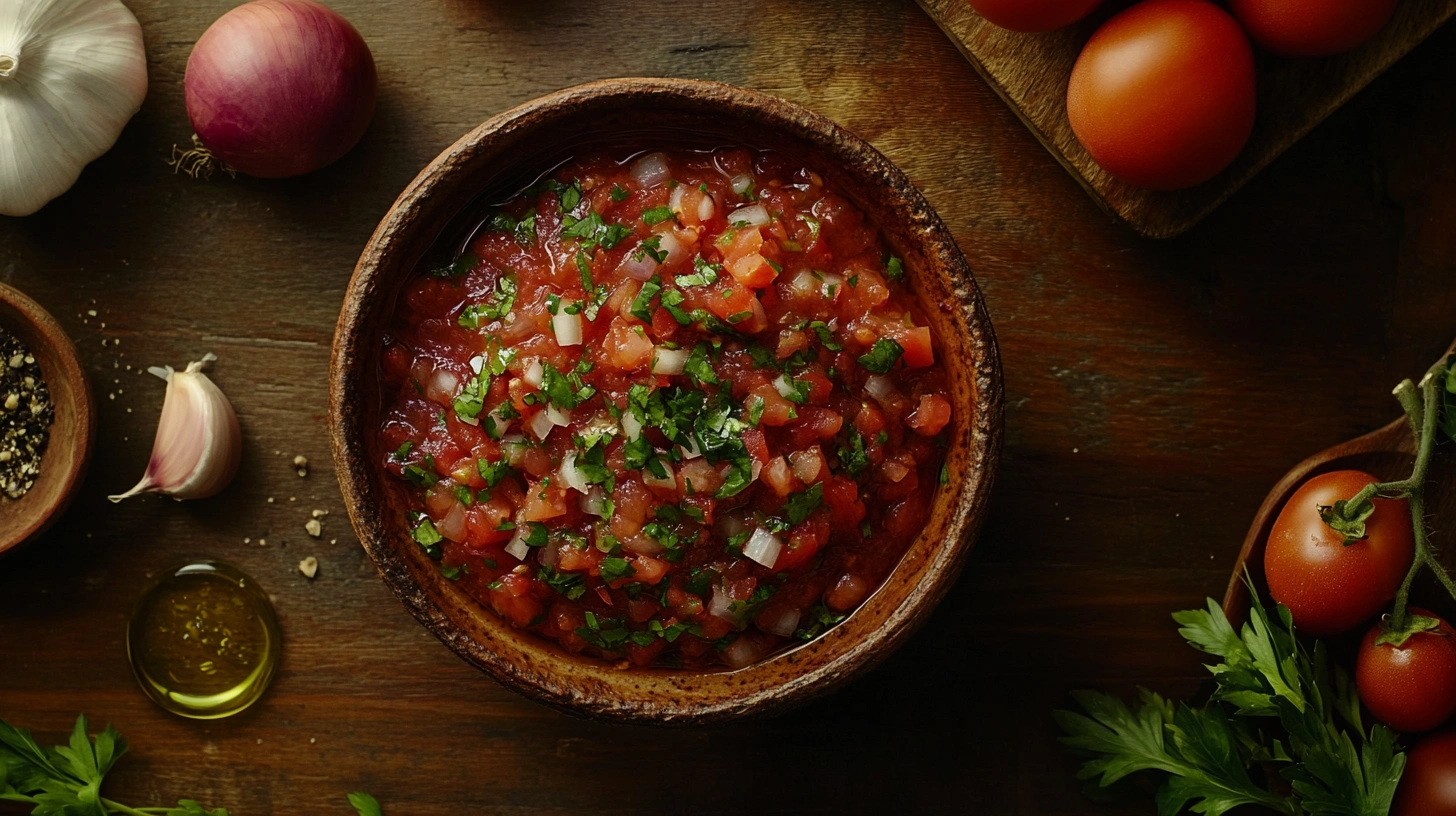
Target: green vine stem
{"points": [[1422, 405]]}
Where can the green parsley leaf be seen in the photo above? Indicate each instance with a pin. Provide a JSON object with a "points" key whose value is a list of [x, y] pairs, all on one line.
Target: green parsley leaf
{"points": [[882, 356], [642, 304], [365, 804], [699, 366], [403, 452], [570, 197], [570, 584], [420, 477], [496, 306], [618, 194], [428, 538], [826, 337], [615, 569], [565, 391], [656, 215], [539, 535], [703, 274], [852, 453], [492, 472], [650, 246], [802, 505]]}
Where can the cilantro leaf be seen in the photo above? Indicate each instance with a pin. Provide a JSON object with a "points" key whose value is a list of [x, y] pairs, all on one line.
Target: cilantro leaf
{"points": [[615, 569], [802, 505], [894, 268], [703, 274], [642, 304], [656, 215], [460, 266], [816, 622], [699, 367], [882, 355], [365, 804]]}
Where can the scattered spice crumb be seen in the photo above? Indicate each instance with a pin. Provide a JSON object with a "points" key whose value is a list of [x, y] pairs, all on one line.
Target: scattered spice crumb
{"points": [[270, 499], [318, 514], [313, 527], [247, 539], [333, 541], [90, 312], [262, 542], [301, 463], [293, 498], [308, 566]]}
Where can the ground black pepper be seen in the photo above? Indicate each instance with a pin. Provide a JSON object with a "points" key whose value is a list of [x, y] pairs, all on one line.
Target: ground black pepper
{"points": [[25, 417]]}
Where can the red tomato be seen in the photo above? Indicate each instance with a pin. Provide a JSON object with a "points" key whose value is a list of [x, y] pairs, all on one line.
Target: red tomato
{"points": [[1328, 585], [1311, 28], [1163, 95], [1428, 786], [1034, 16], [1410, 687]]}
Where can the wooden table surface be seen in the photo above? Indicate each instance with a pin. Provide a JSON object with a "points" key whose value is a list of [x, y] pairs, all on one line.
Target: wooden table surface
{"points": [[1155, 392]]}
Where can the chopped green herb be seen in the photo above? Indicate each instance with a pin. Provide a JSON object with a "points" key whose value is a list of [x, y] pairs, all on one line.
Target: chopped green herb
{"points": [[616, 569], [492, 472], [894, 268], [703, 274], [852, 454], [816, 621], [699, 368], [403, 452], [642, 304], [428, 538], [826, 336], [570, 584], [565, 391], [656, 215], [802, 505], [463, 264], [882, 355], [420, 477], [618, 194], [496, 306], [451, 573], [539, 535]]}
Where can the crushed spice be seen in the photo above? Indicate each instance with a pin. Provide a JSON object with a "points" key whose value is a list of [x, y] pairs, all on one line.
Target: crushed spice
{"points": [[26, 414]]}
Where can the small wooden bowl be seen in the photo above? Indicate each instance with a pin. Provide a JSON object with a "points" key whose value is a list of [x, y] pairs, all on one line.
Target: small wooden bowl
{"points": [[72, 434], [504, 155]]}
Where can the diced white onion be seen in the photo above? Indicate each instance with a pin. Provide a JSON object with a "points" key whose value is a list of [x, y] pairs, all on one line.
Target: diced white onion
{"points": [[690, 450], [651, 170], [594, 502], [567, 327], [442, 386], [534, 373], [571, 475], [763, 547], [551, 553], [541, 425], [668, 362], [675, 249], [807, 466], [639, 264], [631, 426], [518, 547], [669, 481], [674, 201], [452, 526], [832, 285], [706, 208], [719, 605], [557, 416], [742, 183], [755, 470], [477, 363], [754, 215], [468, 420], [784, 624], [804, 283], [882, 389], [600, 424], [781, 385]]}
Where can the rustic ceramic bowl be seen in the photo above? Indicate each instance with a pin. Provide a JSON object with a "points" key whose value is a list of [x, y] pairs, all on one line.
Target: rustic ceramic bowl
{"points": [[63, 465], [504, 155]]}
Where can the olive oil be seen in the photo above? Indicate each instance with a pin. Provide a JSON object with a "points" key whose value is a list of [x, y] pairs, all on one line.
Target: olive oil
{"points": [[204, 641]]}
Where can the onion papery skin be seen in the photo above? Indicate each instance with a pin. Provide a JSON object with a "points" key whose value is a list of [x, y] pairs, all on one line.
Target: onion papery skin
{"points": [[279, 88]]}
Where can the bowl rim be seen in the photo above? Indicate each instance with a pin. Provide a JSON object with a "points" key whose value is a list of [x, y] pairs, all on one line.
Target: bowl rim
{"points": [[41, 328], [832, 144]]}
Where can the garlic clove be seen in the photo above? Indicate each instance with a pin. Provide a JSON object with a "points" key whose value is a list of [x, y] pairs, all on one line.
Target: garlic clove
{"points": [[199, 444]]}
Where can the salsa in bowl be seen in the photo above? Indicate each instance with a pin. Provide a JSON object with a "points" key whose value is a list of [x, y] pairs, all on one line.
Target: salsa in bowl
{"points": [[696, 420]]}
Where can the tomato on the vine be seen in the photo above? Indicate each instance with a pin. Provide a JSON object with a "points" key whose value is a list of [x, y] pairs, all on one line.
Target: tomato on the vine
{"points": [[1410, 687], [1311, 28], [1331, 586], [1163, 94], [1428, 786], [1034, 16]]}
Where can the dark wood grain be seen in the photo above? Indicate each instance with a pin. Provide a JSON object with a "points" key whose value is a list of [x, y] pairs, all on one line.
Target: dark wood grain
{"points": [[1030, 71], [1155, 392]]}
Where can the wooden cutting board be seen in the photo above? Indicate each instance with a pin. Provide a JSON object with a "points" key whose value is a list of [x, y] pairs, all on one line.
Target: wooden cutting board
{"points": [[1030, 71]]}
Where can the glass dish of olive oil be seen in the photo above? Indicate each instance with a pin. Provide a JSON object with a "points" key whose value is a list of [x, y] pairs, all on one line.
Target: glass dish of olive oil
{"points": [[203, 640]]}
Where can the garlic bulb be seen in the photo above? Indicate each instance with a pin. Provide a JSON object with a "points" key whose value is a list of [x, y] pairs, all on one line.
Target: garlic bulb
{"points": [[72, 72], [198, 445]]}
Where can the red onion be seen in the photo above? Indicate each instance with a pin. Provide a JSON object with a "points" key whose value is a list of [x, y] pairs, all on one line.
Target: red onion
{"points": [[279, 88]]}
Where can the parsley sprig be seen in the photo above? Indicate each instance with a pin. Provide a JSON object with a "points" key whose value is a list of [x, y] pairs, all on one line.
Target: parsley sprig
{"points": [[1267, 683], [66, 780]]}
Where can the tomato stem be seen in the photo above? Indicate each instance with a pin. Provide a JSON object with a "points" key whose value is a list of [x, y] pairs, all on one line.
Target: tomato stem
{"points": [[1422, 412]]}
